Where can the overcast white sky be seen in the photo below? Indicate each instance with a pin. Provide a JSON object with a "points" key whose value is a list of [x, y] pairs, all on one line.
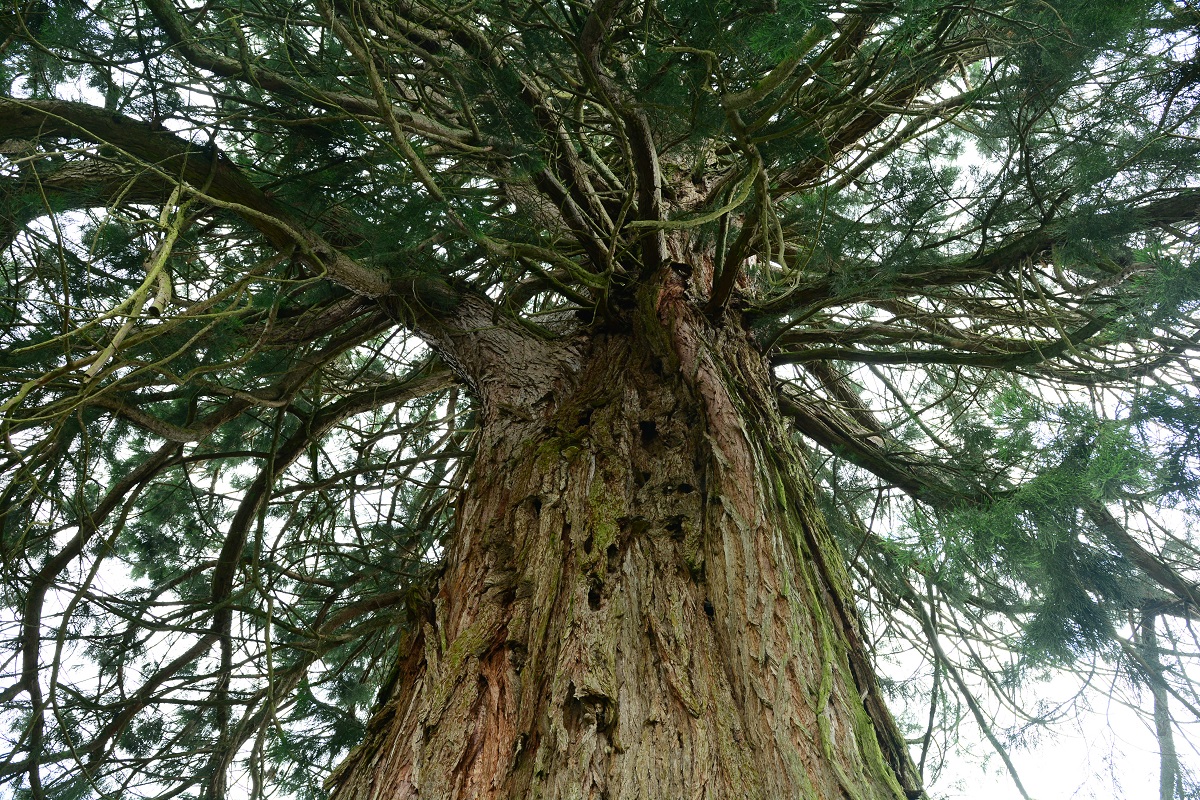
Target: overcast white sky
{"points": [[1110, 753]]}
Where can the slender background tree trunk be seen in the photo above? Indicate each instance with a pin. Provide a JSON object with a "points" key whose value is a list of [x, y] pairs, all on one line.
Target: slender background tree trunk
{"points": [[640, 600], [1170, 779]]}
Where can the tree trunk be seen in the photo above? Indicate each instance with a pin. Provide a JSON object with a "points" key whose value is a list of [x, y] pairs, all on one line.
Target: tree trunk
{"points": [[640, 598]]}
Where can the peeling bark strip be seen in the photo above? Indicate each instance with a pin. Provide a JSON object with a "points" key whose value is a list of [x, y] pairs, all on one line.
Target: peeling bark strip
{"points": [[641, 599]]}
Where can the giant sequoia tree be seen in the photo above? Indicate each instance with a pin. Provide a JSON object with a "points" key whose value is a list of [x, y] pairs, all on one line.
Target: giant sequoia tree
{"points": [[565, 399]]}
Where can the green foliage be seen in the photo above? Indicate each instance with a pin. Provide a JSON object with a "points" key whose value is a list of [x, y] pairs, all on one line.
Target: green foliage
{"points": [[963, 233]]}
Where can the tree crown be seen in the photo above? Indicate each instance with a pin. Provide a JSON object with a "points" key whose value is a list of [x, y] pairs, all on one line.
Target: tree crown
{"points": [[963, 234]]}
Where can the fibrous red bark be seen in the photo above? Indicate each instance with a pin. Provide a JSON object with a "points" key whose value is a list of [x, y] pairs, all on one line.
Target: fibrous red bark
{"points": [[640, 599]]}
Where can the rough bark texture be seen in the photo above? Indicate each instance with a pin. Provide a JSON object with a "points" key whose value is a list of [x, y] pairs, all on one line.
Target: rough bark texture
{"points": [[640, 600]]}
